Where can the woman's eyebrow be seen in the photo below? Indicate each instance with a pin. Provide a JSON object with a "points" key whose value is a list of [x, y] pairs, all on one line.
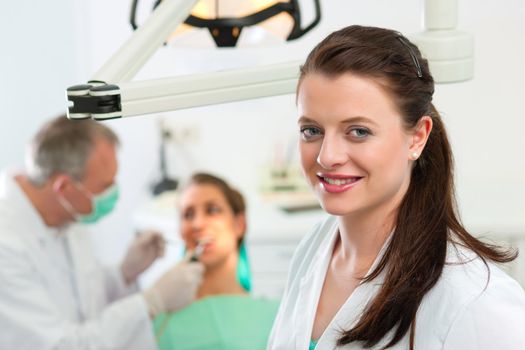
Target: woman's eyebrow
{"points": [[359, 119], [356, 119], [304, 119]]}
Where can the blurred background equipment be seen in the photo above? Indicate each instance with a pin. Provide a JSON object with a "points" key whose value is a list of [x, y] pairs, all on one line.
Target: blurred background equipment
{"points": [[450, 52], [165, 183]]}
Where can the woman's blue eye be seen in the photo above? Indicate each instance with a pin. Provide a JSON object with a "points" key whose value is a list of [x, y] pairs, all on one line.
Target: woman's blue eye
{"points": [[309, 132], [213, 209], [360, 132]]}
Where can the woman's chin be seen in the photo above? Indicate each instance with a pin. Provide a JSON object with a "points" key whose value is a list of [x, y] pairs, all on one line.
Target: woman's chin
{"points": [[337, 210], [213, 260], [209, 261], [334, 208]]}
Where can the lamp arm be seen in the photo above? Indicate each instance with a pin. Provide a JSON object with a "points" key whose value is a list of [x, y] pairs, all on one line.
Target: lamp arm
{"points": [[136, 51], [158, 95]]}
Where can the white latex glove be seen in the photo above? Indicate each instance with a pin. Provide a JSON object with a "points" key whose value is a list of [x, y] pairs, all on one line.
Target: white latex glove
{"points": [[176, 288], [144, 250]]}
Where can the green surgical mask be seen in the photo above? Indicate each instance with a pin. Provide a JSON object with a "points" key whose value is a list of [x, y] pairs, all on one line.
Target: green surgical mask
{"points": [[101, 204]]}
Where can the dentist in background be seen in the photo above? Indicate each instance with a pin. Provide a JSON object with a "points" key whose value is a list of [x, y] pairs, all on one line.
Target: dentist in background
{"points": [[53, 292]]}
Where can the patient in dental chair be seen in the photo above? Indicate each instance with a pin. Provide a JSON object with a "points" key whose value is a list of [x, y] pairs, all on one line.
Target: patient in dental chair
{"points": [[224, 315]]}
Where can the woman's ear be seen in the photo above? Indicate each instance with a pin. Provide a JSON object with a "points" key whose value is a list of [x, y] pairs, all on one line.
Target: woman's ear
{"points": [[240, 224], [420, 136]]}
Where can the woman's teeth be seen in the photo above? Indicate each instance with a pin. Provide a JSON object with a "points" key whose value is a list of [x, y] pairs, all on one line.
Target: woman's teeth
{"points": [[339, 182], [204, 240]]}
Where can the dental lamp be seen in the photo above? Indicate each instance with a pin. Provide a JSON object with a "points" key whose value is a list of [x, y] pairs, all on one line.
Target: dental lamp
{"points": [[110, 93], [225, 30]]}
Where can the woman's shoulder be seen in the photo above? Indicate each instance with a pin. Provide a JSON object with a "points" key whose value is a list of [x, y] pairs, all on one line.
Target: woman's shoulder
{"points": [[474, 276], [467, 278], [490, 306], [472, 297]]}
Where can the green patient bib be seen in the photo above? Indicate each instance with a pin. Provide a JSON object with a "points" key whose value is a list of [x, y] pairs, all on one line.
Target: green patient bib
{"points": [[313, 344], [220, 322]]}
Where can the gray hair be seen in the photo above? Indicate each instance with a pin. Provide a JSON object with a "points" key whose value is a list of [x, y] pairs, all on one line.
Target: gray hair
{"points": [[63, 146]]}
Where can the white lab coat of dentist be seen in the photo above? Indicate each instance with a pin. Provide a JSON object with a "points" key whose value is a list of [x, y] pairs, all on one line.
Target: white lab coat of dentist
{"points": [[461, 312], [54, 294]]}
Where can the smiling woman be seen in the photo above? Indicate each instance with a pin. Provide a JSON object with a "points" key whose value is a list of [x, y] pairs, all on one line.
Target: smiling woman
{"points": [[224, 316], [348, 145], [392, 266]]}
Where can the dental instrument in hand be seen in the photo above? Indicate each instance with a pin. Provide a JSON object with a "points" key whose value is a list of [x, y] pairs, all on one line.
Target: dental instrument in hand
{"points": [[197, 252]]}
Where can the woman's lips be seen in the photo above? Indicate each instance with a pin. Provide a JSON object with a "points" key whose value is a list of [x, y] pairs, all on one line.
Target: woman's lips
{"points": [[204, 240], [202, 245], [336, 183]]}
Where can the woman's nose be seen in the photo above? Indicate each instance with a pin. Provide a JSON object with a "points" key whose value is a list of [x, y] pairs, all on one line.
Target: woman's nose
{"points": [[198, 222], [332, 153]]}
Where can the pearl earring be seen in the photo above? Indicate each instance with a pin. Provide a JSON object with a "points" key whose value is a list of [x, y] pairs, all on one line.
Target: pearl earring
{"points": [[415, 155]]}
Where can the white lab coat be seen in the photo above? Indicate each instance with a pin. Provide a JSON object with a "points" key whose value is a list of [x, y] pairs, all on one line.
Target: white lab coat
{"points": [[54, 294], [459, 313]]}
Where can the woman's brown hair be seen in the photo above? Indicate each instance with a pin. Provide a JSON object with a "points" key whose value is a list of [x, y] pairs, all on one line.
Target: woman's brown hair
{"points": [[427, 218]]}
